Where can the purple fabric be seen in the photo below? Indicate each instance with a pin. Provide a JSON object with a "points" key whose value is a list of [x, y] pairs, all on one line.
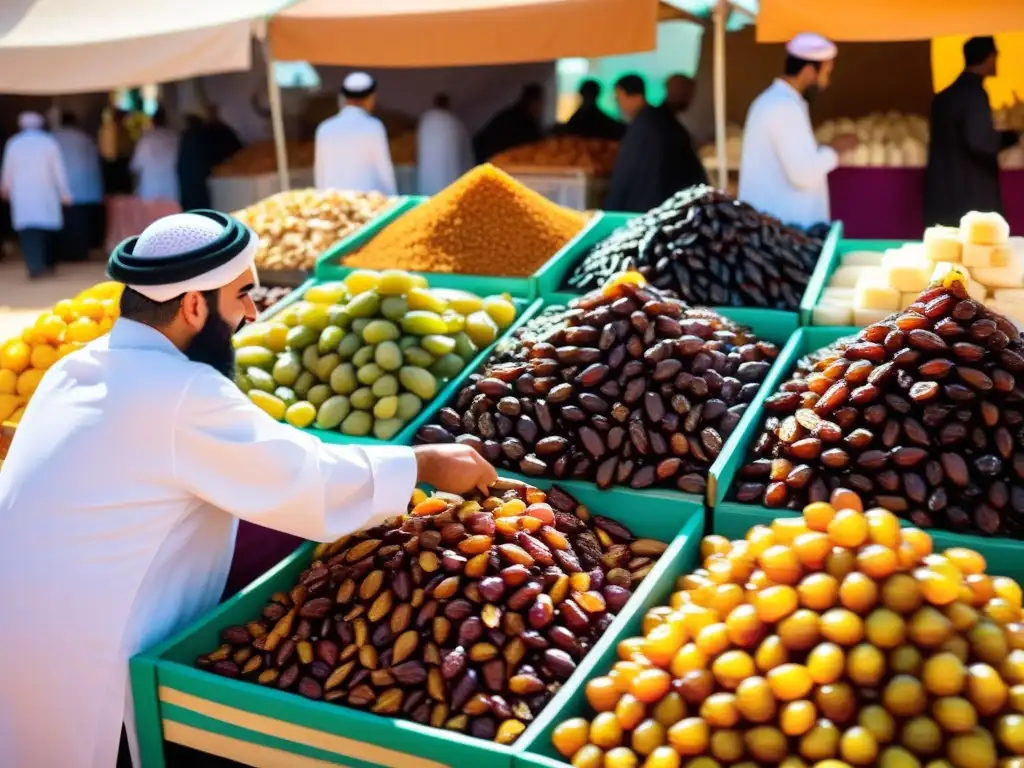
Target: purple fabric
{"points": [[257, 550], [886, 203]]}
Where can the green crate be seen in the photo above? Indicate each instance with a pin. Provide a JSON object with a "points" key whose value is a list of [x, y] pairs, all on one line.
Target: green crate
{"points": [[174, 701], [363, 234], [331, 266], [823, 272], [524, 311], [734, 518], [773, 324]]}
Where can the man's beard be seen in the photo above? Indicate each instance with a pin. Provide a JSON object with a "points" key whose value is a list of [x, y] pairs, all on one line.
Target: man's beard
{"points": [[212, 345], [811, 93]]}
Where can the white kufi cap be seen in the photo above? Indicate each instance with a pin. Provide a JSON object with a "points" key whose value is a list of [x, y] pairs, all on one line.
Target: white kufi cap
{"points": [[811, 47], [358, 85], [30, 120]]}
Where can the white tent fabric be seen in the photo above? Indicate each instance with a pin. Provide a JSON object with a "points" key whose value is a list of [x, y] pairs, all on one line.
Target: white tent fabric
{"points": [[68, 46]]}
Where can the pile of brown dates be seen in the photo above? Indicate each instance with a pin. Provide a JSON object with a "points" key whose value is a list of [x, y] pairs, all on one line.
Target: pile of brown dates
{"points": [[465, 614], [630, 386], [920, 413], [709, 249]]}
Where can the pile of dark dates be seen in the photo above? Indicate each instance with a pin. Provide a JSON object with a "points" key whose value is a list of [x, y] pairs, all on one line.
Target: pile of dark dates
{"points": [[921, 414], [631, 387], [465, 614], [710, 250], [266, 296]]}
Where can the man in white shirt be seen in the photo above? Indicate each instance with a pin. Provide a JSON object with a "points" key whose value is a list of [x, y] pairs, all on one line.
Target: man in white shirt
{"points": [[783, 171], [33, 179], [443, 147], [352, 150], [155, 161], [85, 179], [159, 454]]}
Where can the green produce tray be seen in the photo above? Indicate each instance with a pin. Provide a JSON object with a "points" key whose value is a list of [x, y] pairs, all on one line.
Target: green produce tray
{"points": [[778, 333], [331, 266], [251, 724], [734, 518], [823, 272], [524, 311], [763, 321]]}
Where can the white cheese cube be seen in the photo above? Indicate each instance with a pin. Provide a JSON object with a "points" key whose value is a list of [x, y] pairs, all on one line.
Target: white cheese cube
{"points": [[863, 316], [874, 292], [977, 255], [942, 244], [977, 291], [1010, 295], [846, 277], [862, 259], [1010, 276], [906, 271], [832, 314], [984, 228]]}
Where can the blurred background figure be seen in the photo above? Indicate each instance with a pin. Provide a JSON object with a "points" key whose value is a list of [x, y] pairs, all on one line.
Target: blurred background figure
{"points": [[679, 93], [204, 144], [155, 161], [589, 121], [83, 228], [442, 146], [514, 126]]}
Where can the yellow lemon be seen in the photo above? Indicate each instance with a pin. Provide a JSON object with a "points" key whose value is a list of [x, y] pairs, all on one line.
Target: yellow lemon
{"points": [[271, 405], [51, 327], [111, 307], [8, 405], [43, 356], [29, 381], [31, 336], [16, 416], [89, 307], [83, 329], [67, 348], [106, 324], [64, 310], [15, 356], [8, 382], [277, 334]]}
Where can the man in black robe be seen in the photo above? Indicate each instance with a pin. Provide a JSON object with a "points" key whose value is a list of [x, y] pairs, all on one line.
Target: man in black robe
{"points": [[656, 158], [963, 156], [590, 121], [512, 127], [204, 145]]}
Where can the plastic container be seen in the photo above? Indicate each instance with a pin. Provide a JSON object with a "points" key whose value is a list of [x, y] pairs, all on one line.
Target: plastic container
{"points": [[551, 279], [233, 193], [524, 311], [571, 187], [235, 719], [733, 518], [826, 266]]}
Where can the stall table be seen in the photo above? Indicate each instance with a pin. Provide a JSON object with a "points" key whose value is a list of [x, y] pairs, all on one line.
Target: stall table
{"points": [[888, 203], [128, 215]]}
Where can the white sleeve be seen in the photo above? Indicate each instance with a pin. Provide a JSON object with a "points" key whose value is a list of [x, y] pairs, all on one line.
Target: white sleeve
{"points": [[60, 176], [382, 161], [235, 457], [803, 161]]}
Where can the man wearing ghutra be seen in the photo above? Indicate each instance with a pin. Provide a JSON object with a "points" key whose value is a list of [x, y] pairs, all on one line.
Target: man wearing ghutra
{"points": [[351, 151], [120, 495]]}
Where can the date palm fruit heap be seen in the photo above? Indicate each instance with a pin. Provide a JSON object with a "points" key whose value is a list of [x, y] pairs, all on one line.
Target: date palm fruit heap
{"points": [[627, 386], [920, 413], [834, 639], [467, 614]]}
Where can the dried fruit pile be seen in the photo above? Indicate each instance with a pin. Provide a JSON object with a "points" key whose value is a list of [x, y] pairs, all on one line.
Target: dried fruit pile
{"points": [[919, 413], [710, 250], [266, 296], [628, 386], [465, 614], [834, 639], [485, 223]]}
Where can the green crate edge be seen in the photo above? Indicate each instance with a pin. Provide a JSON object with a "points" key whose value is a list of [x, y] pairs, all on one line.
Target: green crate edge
{"points": [[356, 239], [657, 516], [551, 277], [525, 309], [998, 552]]}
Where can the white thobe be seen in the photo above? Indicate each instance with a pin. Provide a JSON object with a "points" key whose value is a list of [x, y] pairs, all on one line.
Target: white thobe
{"points": [[783, 171], [155, 160], [82, 163], [119, 502], [33, 177], [443, 151], [352, 153]]}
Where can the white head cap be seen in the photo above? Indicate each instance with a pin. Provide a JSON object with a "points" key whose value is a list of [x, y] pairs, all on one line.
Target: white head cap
{"points": [[811, 47], [358, 85], [30, 120]]}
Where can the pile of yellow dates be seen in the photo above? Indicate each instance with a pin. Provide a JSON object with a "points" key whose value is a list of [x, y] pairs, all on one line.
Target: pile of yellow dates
{"points": [[830, 640]]}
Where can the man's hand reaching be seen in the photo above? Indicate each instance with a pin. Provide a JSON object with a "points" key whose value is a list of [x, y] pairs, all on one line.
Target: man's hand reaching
{"points": [[453, 468]]}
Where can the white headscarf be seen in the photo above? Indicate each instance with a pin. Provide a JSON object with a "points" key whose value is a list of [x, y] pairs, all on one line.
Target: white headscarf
{"points": [[28, 121]]}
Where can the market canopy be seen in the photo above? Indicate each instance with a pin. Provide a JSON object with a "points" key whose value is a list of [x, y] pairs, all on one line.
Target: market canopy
{"points": [[886, 20], [69, 46], [429, 33]]}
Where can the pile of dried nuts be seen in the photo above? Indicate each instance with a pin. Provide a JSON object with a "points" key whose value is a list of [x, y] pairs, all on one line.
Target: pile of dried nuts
{"points": [[919, 413], [467, 614], [628, 386], [297, 226]]}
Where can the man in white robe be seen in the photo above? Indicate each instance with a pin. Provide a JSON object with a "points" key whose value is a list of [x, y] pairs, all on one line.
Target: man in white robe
{"points": [[351, 148], [85, 179], [783, 171], [121, 494], [155, 161], [443, 147]]}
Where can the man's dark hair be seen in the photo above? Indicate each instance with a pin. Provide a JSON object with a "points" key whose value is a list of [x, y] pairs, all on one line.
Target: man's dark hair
{"points": [[795, 65], [159, 117], [590, 90], [192, 120], [532, 92], [142, 309], [977, 49], [442, 100], [632, 85], [68, 118]]}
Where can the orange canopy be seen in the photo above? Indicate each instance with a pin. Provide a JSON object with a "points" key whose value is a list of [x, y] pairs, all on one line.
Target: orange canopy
{"points": [[886, 20], [428, 33]]}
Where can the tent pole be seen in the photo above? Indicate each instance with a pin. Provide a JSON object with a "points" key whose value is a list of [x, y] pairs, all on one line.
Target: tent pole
{"points": [[276, 118], [721, 16]]}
